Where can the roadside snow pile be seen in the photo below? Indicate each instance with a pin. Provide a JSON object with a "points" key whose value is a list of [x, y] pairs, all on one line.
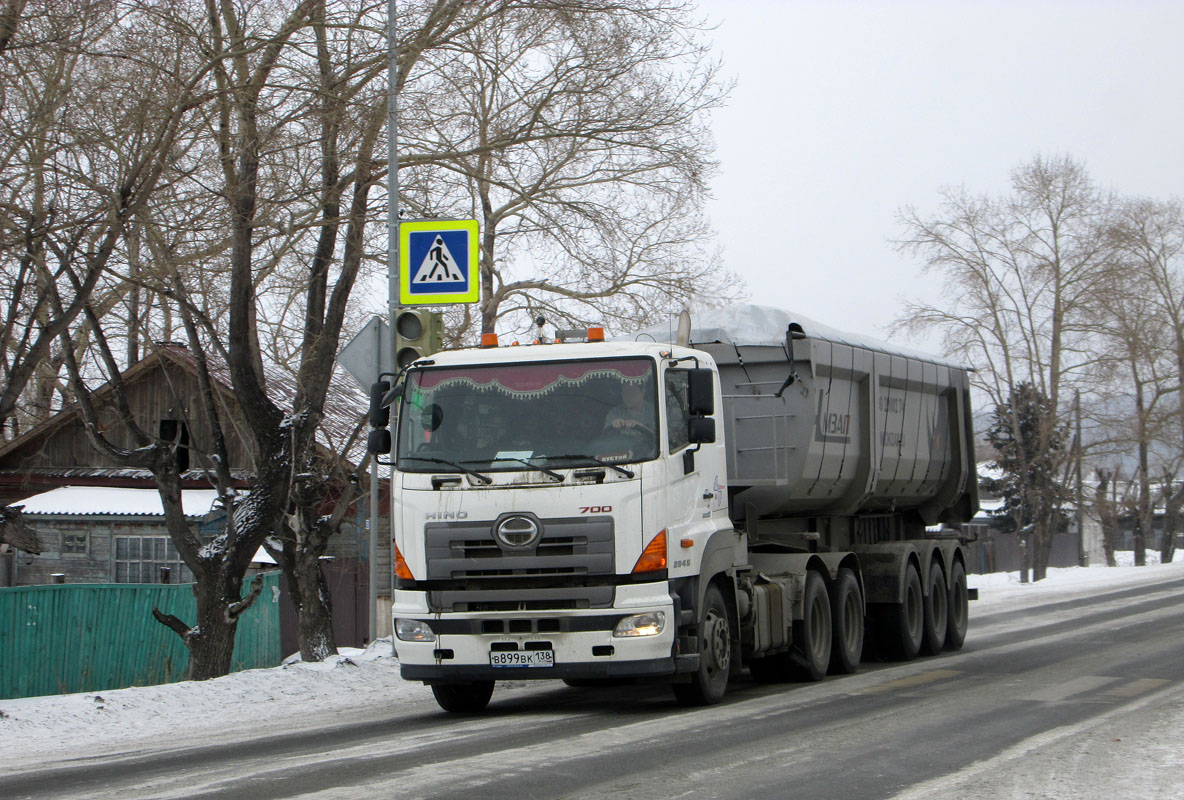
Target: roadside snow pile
{"points": [[1064, 583], [290, 697]]}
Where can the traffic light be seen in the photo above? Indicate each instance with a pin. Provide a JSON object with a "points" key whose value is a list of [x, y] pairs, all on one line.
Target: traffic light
{"points": [[418, 333]]}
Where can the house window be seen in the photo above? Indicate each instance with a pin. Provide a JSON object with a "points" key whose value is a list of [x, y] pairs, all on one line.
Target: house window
{"points": [[138, 559], [75, 544], [176, 431]]}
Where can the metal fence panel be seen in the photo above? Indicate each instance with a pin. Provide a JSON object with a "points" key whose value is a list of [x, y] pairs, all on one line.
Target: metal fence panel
{"points": [[91, 637]]}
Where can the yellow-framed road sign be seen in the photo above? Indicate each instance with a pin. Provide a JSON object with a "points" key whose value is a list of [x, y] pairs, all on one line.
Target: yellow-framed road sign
{"points": [[438, 262]]}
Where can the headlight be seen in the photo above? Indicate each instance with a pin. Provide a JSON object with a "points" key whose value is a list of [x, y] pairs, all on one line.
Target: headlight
{"points": [[412, 630], [650, 623]]}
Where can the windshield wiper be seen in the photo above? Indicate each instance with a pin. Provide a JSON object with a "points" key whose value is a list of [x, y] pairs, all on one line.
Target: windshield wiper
{"points": [[548, 472], [483, 478], [628, 473]]}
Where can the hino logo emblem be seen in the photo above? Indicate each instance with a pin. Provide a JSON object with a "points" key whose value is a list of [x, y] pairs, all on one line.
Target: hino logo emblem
{"points": [[517, 532], [446, 515]]}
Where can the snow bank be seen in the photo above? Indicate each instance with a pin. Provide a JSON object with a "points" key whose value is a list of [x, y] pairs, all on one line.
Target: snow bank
{"points": [[294, 696]]}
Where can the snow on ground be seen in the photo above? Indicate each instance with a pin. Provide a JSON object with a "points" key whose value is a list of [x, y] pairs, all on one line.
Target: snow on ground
{"points": [[1004, 590], [364, 684]]}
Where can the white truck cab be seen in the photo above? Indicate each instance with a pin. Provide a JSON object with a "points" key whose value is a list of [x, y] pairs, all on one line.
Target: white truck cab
{"points": [[546, 498]]}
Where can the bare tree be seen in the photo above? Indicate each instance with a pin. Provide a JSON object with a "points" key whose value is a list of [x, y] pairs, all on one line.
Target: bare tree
{"points": [[298, 110], [1172, 497], [1136, 381], [269, 212], [227, 65], [1148, 240], [69, 188], [1106, 508], [1020, 272], [576, 133]]}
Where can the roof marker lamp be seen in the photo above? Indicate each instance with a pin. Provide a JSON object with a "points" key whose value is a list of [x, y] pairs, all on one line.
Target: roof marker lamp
{"points": [[413, 630], [650, 623]]}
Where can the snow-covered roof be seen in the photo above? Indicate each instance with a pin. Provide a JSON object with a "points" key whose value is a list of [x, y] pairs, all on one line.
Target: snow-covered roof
{"points": [[114, 501], [988, 505], [746, 324], [988, 471]]}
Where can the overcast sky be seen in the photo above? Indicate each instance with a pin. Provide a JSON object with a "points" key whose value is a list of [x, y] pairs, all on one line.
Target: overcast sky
{"points": [[845, 111]]}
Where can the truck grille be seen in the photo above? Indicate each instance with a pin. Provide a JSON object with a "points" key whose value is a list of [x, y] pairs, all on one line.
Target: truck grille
{"points": [[565, 569]]}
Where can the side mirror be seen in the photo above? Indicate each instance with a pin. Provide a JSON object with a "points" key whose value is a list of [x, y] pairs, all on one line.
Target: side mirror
{"points": [[701, 430], [701, 392], [380, 415], [379, 441]]}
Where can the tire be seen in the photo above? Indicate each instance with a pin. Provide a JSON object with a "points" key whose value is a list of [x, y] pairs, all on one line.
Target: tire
{"points": [[846, 600], [463, 698], [936, 607], [709, 684], [901, 626], [812, 634], [958, 610]]}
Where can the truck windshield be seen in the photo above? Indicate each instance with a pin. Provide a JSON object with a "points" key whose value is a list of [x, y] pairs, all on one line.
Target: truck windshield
{"points": [[521, 417]]}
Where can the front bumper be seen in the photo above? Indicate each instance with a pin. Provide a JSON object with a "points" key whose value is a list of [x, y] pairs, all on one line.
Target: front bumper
{"points": [[581, 640]]}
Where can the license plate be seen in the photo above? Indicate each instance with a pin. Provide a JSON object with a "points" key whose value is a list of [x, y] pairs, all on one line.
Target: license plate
{"points": [[522, 658]]}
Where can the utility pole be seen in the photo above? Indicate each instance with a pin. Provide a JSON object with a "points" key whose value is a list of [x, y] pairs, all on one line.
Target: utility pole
{"points": [[392, 255], [1082, 556]]}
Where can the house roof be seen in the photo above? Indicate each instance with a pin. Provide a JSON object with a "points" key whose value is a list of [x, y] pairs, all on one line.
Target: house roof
{"points": [[345, 403], [76, 501]]}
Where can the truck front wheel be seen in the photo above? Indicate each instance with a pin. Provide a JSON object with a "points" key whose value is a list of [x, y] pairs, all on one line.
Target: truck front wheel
{"points": [[710, 682], [463, 698]]}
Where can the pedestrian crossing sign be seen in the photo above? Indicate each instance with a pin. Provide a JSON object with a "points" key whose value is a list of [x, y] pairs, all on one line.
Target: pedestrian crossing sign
{"points": [[438, 262]]}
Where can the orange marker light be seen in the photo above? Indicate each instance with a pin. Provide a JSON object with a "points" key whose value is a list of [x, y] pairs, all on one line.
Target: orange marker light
{"points": [[401, 569], [687, 543], [596, 334], [489, 340], [654, 556]]}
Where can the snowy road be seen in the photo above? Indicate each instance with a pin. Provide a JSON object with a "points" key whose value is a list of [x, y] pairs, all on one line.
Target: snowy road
{"points": [[1070, 695]]}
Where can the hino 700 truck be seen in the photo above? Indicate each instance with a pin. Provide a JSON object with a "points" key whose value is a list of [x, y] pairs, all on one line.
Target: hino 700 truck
{"points": [[753, 492]]}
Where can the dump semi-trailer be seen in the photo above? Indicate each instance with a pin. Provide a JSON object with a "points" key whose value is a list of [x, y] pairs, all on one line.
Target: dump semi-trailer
{"points": [[598, 510]]}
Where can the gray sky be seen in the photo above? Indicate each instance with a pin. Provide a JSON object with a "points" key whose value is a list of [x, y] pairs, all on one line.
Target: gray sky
{"points": [[846, 111]]}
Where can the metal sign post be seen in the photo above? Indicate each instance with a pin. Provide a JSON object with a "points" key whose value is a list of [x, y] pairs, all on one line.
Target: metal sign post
{"points": [[392, 255]]}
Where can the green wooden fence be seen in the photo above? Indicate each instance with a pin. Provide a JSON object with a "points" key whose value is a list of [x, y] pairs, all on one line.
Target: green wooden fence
{"points": [[90, 637]]}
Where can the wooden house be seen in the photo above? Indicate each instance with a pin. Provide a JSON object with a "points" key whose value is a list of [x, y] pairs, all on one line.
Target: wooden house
{"points": [[92, 534]]}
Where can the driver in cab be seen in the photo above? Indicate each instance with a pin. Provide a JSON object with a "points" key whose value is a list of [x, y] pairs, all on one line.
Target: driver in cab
{"points": [[634, 414]]}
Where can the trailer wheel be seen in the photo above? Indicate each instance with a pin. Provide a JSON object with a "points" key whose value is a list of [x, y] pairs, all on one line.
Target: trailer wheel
{"points": [[936, 607], [958, 614], [463, 698], [901, 626], [847, 616], [709, 684], [812, 634]]}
